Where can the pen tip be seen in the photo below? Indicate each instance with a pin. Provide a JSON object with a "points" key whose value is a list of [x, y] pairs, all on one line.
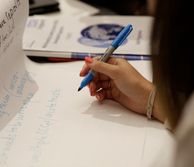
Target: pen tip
{"points": [[79, 89]]}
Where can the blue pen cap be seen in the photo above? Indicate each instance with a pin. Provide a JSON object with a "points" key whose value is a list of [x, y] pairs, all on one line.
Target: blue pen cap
{"points": [[122, 36]]}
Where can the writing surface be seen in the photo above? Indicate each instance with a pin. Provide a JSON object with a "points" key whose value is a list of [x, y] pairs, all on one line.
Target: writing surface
{"points": [[62, 127]]}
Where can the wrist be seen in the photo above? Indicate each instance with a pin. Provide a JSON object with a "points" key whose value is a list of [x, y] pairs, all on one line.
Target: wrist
{"points": [[158, 112], [154, 107], [150, 103]]}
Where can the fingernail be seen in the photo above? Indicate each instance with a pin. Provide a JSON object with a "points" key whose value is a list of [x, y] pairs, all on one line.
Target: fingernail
{"points": [[92, 93], [98, 97], [101, 97], [80, 73], [88, 59]]}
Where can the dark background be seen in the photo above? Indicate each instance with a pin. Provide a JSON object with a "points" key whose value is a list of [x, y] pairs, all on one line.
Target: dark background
{"points": [[119, 7]]}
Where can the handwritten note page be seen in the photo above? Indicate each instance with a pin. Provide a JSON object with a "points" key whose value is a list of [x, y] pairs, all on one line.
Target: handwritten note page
{"points": [[16, 87], [61, 127]]}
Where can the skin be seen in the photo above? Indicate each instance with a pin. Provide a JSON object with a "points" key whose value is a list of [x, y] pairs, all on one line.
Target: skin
{"points": [[119, 81]]}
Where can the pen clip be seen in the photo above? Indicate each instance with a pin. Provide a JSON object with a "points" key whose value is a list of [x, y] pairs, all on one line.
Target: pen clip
{"points": [[125, 36], [122, 36]]}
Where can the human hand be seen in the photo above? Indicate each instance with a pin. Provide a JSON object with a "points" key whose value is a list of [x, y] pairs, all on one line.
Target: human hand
{"points": [[119, 81]]}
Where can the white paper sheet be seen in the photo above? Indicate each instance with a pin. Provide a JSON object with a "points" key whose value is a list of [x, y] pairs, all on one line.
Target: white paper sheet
{"points": [[16, 87], [75, 8], [56, 36], [62, 127]]}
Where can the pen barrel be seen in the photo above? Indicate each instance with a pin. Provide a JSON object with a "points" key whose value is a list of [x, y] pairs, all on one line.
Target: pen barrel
{"points": [[107, 54]]}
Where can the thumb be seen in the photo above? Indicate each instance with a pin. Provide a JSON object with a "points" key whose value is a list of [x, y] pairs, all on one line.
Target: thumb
{"points": [[102, 67]]}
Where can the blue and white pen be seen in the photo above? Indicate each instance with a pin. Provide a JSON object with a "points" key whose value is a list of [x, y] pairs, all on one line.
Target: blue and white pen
{"points": [[115, 44]]}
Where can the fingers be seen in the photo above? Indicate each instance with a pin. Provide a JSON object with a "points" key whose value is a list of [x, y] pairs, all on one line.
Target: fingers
{"points": [[107, 69], [106, 74], [103, 94], [100, 96], [95, 86], [85, 69], [92, 88], [103, 84], [101, 89], [101, 67]]}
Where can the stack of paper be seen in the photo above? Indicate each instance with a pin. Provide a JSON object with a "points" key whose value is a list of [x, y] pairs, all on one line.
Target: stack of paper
{"points": [[70, 37]]}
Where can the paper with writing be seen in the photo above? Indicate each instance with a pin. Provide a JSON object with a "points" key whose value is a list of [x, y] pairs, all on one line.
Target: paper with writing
{"points": [[16, 87], [61, 127]]}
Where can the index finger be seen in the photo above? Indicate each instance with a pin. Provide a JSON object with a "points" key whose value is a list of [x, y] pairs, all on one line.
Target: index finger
{"points": [[85, 69]]}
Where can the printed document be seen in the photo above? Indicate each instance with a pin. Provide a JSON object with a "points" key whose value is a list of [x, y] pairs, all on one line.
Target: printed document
{"points": [[56, 37]]}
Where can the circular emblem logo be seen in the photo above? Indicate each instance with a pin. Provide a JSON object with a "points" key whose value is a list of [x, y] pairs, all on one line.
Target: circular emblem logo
{"points": [[100, 35]]}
